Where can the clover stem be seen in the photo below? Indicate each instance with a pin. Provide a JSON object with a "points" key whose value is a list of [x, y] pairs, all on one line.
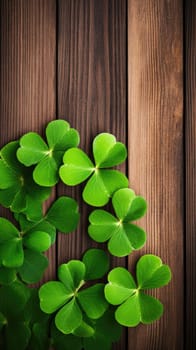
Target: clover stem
{"points": [[80, 285]]}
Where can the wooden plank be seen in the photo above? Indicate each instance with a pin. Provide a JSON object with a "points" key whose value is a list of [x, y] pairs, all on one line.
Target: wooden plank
{"points": [[155, 134], [28, 71], [91, 88], [190, 136]]}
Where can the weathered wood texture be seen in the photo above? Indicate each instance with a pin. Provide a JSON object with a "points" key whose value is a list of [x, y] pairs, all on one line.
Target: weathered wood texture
{"points": [[28, 71], [91, 88], [68, 59], [190, 140], [155, 139]]}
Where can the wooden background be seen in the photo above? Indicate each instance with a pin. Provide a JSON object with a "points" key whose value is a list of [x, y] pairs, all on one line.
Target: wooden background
{"points": [[125, 67]]}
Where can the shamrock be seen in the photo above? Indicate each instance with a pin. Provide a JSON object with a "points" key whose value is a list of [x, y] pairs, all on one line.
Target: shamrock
{"points": [[22, 249], [103, 182], [47, 157], [18, 191], [123, 236], [66, 297], [135, 305], [91, 334]]}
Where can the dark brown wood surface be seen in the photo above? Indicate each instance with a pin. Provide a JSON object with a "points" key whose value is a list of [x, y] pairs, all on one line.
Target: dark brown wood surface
{"points": [[190, 142], [116, 66], [155, 138], [28, 71]]}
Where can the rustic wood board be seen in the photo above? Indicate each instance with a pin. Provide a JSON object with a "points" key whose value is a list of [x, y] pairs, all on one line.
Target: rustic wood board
{"points": [[155, 138], [190, 140], [28, 72], [91, 88]]}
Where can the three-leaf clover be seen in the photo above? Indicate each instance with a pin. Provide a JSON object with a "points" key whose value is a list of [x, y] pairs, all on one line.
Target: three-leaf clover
{"points": [[47, 157], [135, 305], [123, 236], [102, 182], [68, 299], [18, 191], [22, 249]]}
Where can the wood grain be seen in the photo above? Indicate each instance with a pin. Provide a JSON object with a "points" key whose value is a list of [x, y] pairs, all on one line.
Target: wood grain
{"points": [[190, 137], [28, 71], [155, 137], [91, 88]]}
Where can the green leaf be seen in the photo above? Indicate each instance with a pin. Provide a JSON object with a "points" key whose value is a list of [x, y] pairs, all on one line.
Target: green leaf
{"points": [[65, 342], [138, 209], [93, 301], [107, 331], [69, 317], [102, 225], [72, 274], [17, 333], [8, 154], [96, 262], [151, 308], [60, 137], [39, 337], [43, 226], [52, 296], [13, 299], [7, 276], [101, 186], [84, 330], [107, 152], [37, 240], [129, 314], [11, 253], [133, 208], [33, 267], [77, 167], [7, 178], [139, 308], [63, 214], [7, 230], [7, 196], [151, 272], [125, 196], [121, 286], [32, 149], [46, 172], [119, 243]]}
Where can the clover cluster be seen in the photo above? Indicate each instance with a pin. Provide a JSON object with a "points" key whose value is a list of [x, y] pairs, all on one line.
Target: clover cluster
{"points": [[81, 309]]}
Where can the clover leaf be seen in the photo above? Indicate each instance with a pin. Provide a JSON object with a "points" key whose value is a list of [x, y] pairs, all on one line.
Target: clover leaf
{"points": [[47, 157], [18, 191], [66, 297], [22, 248], [38, 322], [123, 236], [96, 262], [106, 332], [91, 334], [7, 275], [102, 182], [13, 300], [11, 249], [135, 305]]}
